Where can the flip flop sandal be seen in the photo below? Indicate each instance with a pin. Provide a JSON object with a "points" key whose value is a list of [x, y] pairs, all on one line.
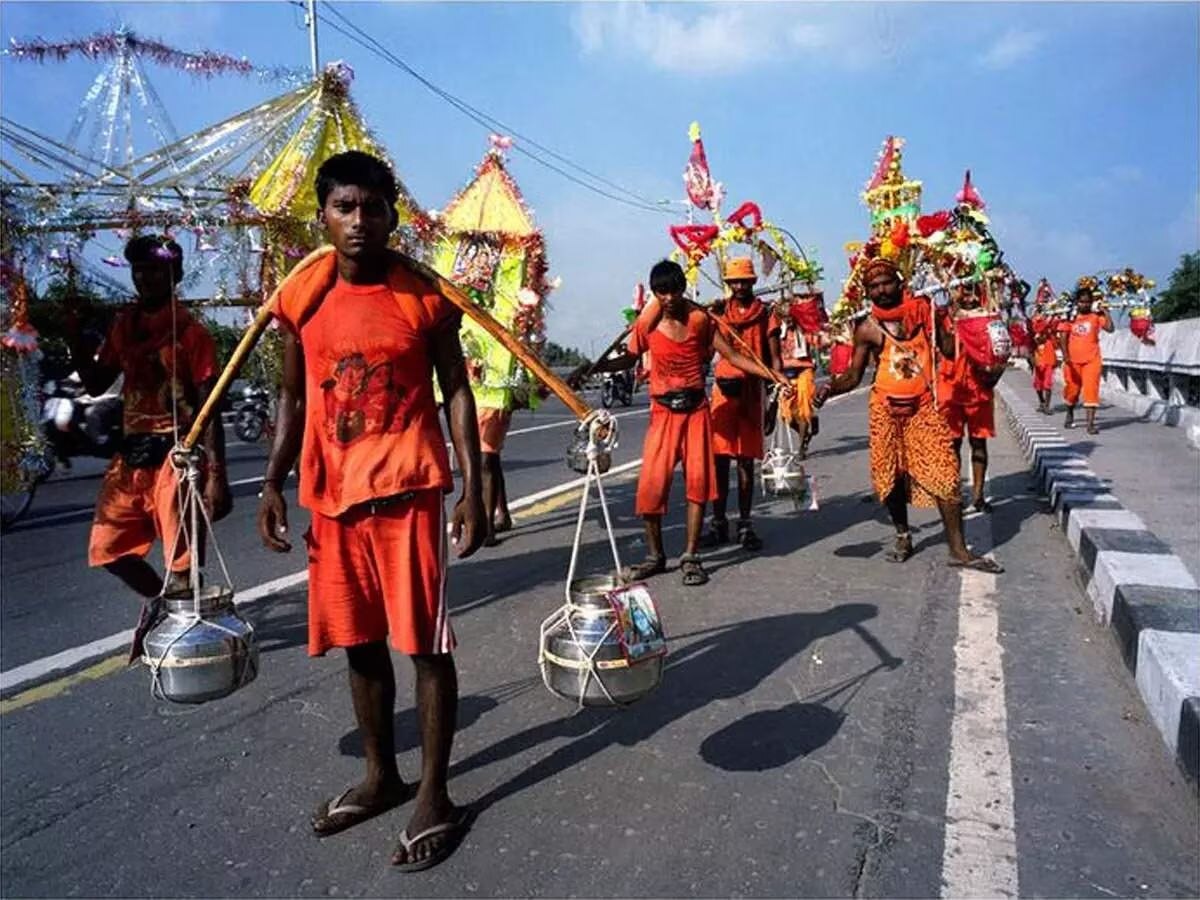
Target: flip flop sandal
{"points": [[503, 525], [902, 551], [335, 814], [982, 506], [693, 571], [978, 564], [717, 535], [654, 565], [454, 830]]}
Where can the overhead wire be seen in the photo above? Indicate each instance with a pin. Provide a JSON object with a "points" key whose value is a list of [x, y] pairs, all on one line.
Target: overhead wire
{"points": [[356, 34]]}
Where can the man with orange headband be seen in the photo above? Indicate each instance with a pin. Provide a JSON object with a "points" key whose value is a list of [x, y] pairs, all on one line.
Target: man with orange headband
{"points": [[1079, 340], [911, 447], [737, 403], [681, 337], [364, 337], [169, 361]]}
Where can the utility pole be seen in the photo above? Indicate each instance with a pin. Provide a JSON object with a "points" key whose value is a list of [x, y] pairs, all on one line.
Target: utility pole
{"points": [[310, 19]]}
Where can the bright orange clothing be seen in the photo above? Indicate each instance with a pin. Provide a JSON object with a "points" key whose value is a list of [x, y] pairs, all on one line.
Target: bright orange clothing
{"points": [[675, 437], [678, 365], [905, 367], [136, 506], [371, 427], [1083, 337], [795, 351], [977, 421], [140, 345], [493, 428], [381, 574], [964, 398], [737, 421], [1082, 378]]}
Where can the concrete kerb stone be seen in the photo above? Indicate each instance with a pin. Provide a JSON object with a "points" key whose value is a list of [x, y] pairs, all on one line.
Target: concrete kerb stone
{"points": [[1140, 590]]}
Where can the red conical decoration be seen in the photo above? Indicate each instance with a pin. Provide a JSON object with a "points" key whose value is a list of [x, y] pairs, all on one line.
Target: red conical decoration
{"points": [[968, 196]]}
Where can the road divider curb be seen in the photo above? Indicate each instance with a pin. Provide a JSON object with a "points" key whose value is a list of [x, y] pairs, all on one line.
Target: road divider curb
{"points": [[1140, 590]]}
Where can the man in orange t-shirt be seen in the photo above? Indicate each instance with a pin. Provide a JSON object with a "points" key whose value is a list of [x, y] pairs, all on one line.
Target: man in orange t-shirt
{"points": [[737, 404], [169, 363], [681, 338], [966, 390], [1079, 340], [363, 334]]}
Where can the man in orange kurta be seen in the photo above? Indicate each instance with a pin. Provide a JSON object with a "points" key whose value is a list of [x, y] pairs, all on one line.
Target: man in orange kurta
{"points": [[737, 404], [680, 337], [363, 336], [1079, 340]]}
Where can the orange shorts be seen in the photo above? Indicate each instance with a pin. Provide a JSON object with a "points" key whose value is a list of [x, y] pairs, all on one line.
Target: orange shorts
{"points": [[377, 575], [737, 422], [1082, 379], [1043, 377], [977, 420], [135, 507], [493, 428], [671, 438]]}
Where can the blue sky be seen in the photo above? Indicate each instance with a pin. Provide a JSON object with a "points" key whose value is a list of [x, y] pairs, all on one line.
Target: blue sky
{"points": [[1080, 122]]}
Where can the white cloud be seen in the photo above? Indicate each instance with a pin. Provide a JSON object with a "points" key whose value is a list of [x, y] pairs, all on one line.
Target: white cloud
{"points": [[722, 38], [1012, 47], [1122, 176]]}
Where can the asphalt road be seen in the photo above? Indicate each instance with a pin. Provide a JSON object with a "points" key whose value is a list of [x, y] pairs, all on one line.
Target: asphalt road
{"points": [[829, 724]]}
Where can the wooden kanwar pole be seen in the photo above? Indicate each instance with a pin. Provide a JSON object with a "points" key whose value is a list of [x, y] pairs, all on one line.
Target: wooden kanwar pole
{"points": [[445, 287]]}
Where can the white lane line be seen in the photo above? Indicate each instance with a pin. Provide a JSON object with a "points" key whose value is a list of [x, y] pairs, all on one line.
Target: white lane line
{"points": [[980, 857], [67, 659], [573, 421]]}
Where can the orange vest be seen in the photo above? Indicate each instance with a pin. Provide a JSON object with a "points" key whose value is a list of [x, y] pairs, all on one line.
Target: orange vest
{"points": [[905, 367]]}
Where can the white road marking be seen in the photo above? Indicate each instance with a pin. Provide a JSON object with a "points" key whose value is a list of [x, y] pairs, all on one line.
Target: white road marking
{"points": [[75, 656], [980, 857]]}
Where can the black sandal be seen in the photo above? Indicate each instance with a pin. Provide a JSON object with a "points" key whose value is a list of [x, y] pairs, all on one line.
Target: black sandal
{"points": [[693, 571], [653, 565], [747, 538], [717, 534]]}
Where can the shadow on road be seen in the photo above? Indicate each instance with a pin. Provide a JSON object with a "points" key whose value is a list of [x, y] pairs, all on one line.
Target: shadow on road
{"points": [[725, 663]]}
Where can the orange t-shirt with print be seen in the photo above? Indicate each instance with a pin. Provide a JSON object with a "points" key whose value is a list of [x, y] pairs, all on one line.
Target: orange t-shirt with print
{"points": [[678, 365], [1083, 337], [371, 425], [165, 356]]}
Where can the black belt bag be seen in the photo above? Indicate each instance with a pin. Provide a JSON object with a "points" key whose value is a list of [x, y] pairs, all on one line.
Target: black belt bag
{"points": [[145, 451], [681, 401], [731, 387]]}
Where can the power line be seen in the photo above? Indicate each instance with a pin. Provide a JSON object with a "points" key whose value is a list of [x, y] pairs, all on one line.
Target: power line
{"points": [[370, 43]]}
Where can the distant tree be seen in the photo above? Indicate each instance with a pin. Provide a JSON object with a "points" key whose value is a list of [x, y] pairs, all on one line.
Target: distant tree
{"points": [[1181, 299], [556, 355]]}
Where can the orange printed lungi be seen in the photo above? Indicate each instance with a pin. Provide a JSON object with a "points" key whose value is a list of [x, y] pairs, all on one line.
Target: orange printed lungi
{"points": [[675, 437], [381, 574], [136, 506], [799, 408], [919, 446]]}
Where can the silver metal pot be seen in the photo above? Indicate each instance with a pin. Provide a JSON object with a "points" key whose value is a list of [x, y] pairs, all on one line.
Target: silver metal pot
{"points": [[579, 654], [783, 474], [577, 453], [194, 658]]}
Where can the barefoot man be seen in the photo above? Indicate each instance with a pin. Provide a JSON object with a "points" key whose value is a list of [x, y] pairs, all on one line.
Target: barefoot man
{"points": [[363, 334], [911, 448]]}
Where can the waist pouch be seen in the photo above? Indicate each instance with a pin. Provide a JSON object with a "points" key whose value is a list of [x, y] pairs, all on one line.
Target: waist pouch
{"points": [[904, 408], [685, 400], [730, 387], [145, 451]]}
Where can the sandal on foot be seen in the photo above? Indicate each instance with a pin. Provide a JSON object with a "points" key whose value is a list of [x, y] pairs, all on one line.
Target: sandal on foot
{"points": [[503, 525], [977, 564], [982, 505], [902, 550], [335, 814], [653, 565], [747, 538], [693, 571], [717, 535], [1092, 429], [451, 832]]}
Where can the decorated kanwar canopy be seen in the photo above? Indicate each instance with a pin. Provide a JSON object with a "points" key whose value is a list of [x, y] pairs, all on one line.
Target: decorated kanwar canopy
{"points": [[488, 244]]}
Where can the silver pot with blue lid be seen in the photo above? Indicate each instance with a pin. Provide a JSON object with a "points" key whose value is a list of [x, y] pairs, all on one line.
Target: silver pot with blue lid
{"points": [[200, 649]]}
